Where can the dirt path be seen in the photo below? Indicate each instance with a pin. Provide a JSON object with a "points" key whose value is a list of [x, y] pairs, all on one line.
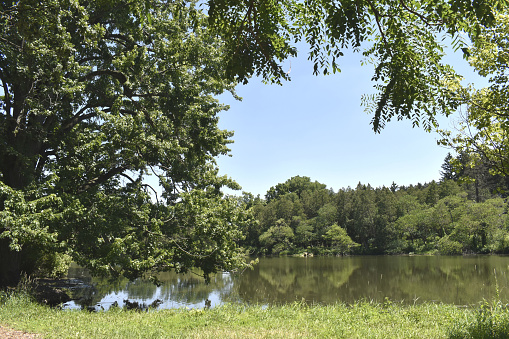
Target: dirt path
{"points": [[7, 333]]}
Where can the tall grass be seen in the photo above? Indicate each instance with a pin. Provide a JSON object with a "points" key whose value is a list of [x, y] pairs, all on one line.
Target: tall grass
{"points": [[361, 320], [490, 320]]}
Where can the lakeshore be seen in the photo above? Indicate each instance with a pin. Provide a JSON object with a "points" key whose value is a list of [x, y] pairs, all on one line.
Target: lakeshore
{"points": [[363, 319]]}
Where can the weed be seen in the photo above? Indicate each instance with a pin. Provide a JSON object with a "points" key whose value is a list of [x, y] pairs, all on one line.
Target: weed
{"points": [[491, 320]]}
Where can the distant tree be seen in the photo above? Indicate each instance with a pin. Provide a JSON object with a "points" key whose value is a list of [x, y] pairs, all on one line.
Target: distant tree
{"points": [[339, 239], [361, 221], [277, 238], [407, 203], [327, 215], [342, 200], [432, 193], [479, 225], [304, 233], [448, 171], [394, 187], [295, 185], [386, 213], [412, 232], [448, 187], [313, 200]]}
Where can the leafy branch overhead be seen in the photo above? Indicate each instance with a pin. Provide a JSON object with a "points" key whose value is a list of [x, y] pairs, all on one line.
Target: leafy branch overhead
{"points": [[482, 132], [403, 39]]}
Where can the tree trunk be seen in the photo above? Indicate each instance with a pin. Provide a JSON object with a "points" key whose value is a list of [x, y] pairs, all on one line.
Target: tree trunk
{"points": [[10, 265], [14, 264]]}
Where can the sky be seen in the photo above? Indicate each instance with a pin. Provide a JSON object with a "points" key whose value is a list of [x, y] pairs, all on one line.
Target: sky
{"points": [[315, 126]]}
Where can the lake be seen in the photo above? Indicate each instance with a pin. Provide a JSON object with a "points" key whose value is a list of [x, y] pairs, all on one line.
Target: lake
{"points": [[462, 280]]}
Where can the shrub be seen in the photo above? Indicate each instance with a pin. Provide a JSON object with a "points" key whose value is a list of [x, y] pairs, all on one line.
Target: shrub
{"points": [[449, 247], [53, 265]]}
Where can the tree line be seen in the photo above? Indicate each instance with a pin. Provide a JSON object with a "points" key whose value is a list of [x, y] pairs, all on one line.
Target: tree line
{"points": [[464, 212]]}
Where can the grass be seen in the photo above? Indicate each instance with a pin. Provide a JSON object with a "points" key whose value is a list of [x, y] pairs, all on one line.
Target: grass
{"points": [[361, 320], [488, 321]]}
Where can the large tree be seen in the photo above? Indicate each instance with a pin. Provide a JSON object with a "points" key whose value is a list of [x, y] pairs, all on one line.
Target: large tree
{"points": [[95, 96]]}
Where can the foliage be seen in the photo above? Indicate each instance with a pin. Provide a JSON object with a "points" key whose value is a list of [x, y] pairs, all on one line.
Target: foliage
{"points": [[340, 239], [96, 96], [449, 247], [53, 265], [444, 217], [482, 133], [295, 185], [403, 39], [277, 238]]}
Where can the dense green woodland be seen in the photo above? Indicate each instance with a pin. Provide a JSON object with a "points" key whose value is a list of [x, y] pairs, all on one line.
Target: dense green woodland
{"points": [[452, 216]]}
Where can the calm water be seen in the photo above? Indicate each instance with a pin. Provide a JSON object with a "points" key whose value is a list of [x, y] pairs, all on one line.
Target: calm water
{"points": [[319, 280]]}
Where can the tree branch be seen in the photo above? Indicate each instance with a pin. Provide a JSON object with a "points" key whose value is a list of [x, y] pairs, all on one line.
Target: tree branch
{"points": [[100, 179], [115, 74], [422, 17], [123, 111], [377, 16], [7, 96], [77, 118], [120, 38]]}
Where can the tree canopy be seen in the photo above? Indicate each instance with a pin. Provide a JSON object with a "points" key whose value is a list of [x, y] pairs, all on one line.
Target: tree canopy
{"points": [[404, 40], [483, 131], [449, 217], [96, 96]]}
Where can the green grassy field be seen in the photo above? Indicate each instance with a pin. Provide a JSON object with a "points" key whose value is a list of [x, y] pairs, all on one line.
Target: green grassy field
{"points": [[361, 320]]}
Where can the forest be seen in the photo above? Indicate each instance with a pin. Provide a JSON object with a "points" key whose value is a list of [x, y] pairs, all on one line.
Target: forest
{"points": [[463, 213]]}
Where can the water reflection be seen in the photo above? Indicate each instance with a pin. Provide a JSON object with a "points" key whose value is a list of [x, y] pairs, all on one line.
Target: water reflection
{"points": [[324, 280], [176, 290]]}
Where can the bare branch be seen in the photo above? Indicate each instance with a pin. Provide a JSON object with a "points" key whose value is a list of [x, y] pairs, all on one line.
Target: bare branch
{"points": [[153, 190], [122, 111], [120, 38], [190, 254], [77, 118]]}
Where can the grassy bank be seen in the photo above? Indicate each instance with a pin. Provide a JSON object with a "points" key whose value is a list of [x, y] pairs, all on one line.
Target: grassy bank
{"points": [[362, 320]]}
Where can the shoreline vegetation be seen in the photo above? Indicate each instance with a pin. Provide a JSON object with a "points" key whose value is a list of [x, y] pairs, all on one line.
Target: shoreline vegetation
{"points": [[362, 319], [451, 217]]}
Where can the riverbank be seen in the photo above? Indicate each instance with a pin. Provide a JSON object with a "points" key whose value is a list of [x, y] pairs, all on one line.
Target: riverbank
{"points": [[360, 320]]}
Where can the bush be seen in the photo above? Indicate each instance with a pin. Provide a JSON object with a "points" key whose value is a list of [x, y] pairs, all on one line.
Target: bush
{"points": [[449, 247], [53, 265]]}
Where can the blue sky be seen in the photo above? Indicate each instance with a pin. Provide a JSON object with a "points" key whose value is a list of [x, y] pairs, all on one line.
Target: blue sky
{"points": [[315, 126]]}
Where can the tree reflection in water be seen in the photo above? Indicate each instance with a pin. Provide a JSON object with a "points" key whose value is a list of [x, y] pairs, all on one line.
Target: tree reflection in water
{"points": [[323, 280], [176, 290]]}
